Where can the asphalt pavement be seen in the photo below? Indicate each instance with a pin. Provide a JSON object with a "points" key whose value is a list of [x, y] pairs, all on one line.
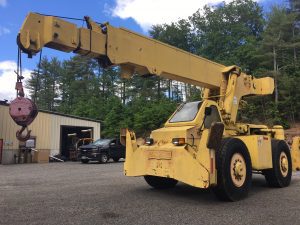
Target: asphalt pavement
{"points": [[75, 193]]}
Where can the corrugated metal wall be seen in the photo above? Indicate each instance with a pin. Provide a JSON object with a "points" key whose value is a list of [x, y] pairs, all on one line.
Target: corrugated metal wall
{"points": [[46, 128], [8, 129]]}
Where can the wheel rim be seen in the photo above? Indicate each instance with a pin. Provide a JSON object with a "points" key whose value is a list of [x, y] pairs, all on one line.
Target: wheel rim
{"points": [[238, 169], [283, 164], [104, 158]]}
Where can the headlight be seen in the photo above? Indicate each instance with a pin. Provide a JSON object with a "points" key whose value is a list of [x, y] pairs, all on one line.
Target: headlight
{"points": [[149, 141], [94, 150], [178, 141]]}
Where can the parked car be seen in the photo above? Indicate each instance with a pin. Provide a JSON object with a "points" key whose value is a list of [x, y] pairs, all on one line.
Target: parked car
{"points": [[102, 150]]}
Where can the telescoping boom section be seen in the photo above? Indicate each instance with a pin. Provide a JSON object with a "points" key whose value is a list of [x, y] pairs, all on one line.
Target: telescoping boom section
{"points": [[201, 144]]}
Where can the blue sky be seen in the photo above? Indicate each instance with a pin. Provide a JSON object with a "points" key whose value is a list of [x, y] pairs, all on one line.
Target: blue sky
{"points": [[136, 15], [15, 11]]}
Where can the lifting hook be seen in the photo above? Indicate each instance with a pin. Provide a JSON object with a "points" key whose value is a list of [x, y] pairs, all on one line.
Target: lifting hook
{"points": [[22, 110], [19, 134]]}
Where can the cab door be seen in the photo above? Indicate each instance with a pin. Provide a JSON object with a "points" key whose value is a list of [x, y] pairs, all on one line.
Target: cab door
{"points": [[113, 148], [116, 149], [121, 149]]}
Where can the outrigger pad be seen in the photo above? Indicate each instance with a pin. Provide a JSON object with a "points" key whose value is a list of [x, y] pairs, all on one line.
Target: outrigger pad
{"points": [[215, 136]]}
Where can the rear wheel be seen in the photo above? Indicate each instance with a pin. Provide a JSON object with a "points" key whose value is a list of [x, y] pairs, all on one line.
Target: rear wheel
{"points": [[103, 158], [160, 182], [234, 170], [116, 159], [281, 173], [84, 161]]}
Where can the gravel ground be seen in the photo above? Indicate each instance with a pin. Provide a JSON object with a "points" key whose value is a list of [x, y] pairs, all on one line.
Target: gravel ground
{"points": [[74, 193]]}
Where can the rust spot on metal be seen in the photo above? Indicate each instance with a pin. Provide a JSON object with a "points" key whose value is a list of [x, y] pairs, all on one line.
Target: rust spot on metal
{"points": [[205, 183]]}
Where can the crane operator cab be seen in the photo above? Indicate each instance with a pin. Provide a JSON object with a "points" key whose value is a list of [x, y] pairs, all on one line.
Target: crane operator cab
{"points": [[182, 141]]}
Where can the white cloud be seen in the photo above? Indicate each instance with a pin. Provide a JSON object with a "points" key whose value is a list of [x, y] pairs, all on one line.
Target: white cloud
{"points": [[8, 80], [3, 3], [146, 13], [4, 30]]}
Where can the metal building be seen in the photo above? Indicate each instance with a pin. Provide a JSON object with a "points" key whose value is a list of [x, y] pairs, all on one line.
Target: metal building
{"points": [[50, 131]]}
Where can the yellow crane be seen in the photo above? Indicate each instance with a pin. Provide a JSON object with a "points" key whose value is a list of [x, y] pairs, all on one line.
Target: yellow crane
{"points": [[201, 144], [295, 153]]}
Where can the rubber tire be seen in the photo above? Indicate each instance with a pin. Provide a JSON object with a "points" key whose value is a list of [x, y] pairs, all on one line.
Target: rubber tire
{"points": [[273, 176], [225, 189], [103, 158], [116, 159], [84, 161], [160, 182]]}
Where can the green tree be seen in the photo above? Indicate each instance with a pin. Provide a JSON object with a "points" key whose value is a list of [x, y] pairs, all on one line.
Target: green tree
{"points": [[150, 115], [43, 84], [276, 43], [280, 50], [114, 118], [228, 33], [78, 84]]}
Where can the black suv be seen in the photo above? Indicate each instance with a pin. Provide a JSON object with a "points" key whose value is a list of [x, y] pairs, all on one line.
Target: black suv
{"points": [[102, 150]]}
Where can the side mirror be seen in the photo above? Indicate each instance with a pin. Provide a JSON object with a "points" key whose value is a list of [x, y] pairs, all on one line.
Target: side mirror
{"points": [[207, 111]]}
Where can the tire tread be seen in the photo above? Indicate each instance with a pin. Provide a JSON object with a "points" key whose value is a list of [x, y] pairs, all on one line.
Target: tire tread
{"points": [[224, 190]]}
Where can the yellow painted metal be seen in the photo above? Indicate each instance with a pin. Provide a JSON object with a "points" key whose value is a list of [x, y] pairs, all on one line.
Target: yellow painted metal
{"points": [[276, 131], [259, 147], [238, 169], [283, 164], [92, 43], [295, 153], [121, 46], [149, 56], [193, 163], [167, 160], [38, 31], [240, 86]]}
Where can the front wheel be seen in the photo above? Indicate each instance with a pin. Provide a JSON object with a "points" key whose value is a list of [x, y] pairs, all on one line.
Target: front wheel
{"points": [[160, 182], [234, 170], [281, 173], [103, 158]]}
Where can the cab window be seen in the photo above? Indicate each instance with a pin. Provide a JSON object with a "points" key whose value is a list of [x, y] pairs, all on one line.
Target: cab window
{"points": [[186, 112]]}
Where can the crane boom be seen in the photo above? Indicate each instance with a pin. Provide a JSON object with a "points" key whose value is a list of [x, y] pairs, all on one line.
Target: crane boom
{"points": [[138, 54], [119, 46]]}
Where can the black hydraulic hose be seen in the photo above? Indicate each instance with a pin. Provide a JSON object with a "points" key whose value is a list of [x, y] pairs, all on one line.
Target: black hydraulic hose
{"points": [[66, 17], [37, 77], [62, 17]]}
